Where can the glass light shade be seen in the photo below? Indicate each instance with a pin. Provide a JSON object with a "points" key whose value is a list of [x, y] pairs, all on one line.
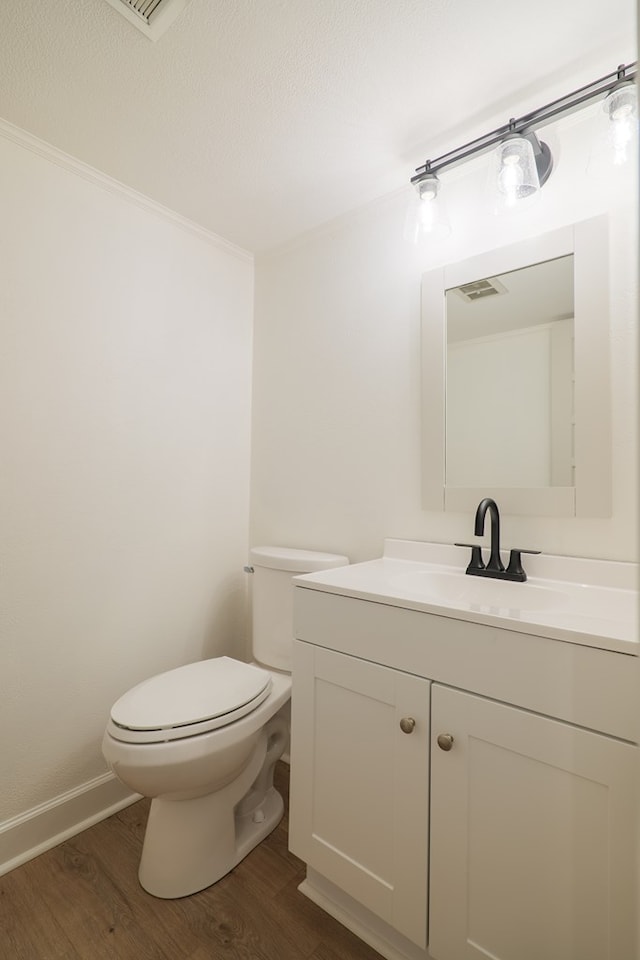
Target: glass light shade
{"points": [[429, 214], [514, 172], [615, 144], [621, 106]]}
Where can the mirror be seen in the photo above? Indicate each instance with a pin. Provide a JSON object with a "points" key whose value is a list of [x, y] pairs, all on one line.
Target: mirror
{"points": [[515, 374], [511, 337]]}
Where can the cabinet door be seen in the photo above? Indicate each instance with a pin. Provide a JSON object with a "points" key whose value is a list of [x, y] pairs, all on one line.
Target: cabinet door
{"points": [[532, 837], [359, 784]]}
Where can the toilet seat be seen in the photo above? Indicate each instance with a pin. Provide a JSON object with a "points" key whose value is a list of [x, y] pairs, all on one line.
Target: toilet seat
{"points": [[188, 701]]}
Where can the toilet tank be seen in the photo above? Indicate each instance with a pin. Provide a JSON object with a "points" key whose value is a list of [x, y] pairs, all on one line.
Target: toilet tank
{"points": [[272, 601]]}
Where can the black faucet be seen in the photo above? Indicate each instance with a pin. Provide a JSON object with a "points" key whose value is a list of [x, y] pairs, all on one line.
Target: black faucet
{"points": [[495, 564], [495, 567]]}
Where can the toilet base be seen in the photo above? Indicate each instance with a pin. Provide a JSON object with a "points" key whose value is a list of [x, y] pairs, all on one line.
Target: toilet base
{"points": [[191, 844], [253, 828]]}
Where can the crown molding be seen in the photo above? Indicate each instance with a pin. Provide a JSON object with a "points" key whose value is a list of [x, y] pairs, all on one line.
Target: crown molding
{"points": [[47, 151]]}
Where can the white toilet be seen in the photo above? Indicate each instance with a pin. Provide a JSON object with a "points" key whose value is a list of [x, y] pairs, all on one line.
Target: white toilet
{"points": [[202, 741]]}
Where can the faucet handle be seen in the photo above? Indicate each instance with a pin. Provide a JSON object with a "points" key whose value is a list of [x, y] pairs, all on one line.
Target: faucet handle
{"points": [[476, 562], [515, 569]]}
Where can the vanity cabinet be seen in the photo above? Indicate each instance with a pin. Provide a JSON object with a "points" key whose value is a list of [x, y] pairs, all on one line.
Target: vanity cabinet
{"points": [[359, 813], [513, 835], [531, 836]]}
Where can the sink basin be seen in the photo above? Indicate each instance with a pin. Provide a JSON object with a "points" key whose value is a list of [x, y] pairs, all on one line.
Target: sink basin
{"points": [[588, 602], [460, 590]]}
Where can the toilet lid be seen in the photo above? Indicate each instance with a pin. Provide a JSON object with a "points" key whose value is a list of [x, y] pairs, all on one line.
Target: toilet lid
{"points": [[189, 700]]}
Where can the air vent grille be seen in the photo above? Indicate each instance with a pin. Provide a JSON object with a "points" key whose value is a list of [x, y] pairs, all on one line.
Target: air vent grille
{"points": [[480, 289], [152, 17], [144, 8]]}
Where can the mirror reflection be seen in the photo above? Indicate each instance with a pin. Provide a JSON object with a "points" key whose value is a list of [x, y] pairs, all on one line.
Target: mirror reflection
{"points": [[510, 379]]}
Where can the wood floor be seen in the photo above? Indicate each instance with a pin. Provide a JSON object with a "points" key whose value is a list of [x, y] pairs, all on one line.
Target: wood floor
{"points": [[82, 901]]}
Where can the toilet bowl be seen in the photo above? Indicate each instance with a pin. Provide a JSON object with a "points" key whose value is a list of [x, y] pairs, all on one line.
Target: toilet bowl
{"points": [[202, 741]]}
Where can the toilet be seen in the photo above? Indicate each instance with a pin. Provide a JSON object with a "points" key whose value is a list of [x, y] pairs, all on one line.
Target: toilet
{"points": [[202, 741]]}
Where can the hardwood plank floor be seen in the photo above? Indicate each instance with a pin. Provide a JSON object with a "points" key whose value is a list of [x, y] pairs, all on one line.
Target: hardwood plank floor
{"points": [[82, 901]]}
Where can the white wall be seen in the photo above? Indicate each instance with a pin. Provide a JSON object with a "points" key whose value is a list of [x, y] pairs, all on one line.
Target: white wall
{"points": [[336, 426], [125, 363]]}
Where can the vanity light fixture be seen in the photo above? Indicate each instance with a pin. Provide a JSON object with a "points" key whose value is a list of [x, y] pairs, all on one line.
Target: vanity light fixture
{"points": [[522, 163]]}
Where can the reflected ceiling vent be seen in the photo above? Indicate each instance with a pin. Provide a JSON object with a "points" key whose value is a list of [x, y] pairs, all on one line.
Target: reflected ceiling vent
{"points": [[152, 17], [480, 289]]}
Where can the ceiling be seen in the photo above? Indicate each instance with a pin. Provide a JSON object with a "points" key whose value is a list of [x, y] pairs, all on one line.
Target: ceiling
{"points": [[261, 119], [527, 297]]}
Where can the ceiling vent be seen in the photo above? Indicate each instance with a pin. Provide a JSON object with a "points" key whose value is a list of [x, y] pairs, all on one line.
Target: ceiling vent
{"points": [[480, 289], [152, 17]]}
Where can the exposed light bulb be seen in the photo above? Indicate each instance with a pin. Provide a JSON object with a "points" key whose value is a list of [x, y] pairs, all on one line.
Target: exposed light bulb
{"points": [[428, 210], [430, 215], [621, 106], [510, 179]]}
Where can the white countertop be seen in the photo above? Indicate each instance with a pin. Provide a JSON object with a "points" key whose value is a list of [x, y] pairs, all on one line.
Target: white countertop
{"points": [[576, 600]]}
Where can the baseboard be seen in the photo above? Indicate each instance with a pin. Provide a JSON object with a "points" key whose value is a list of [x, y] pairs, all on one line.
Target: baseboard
{"points": [[28, 835]]}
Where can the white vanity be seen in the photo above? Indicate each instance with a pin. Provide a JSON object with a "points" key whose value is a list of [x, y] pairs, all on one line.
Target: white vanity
{"points": [[464, 759]]}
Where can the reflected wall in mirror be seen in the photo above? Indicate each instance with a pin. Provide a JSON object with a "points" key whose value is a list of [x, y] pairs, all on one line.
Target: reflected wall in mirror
{"points": [[509, 378], [516, 400]]}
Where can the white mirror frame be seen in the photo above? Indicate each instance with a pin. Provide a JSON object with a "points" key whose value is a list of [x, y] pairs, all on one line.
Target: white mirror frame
{"points": [[591, 496]]}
